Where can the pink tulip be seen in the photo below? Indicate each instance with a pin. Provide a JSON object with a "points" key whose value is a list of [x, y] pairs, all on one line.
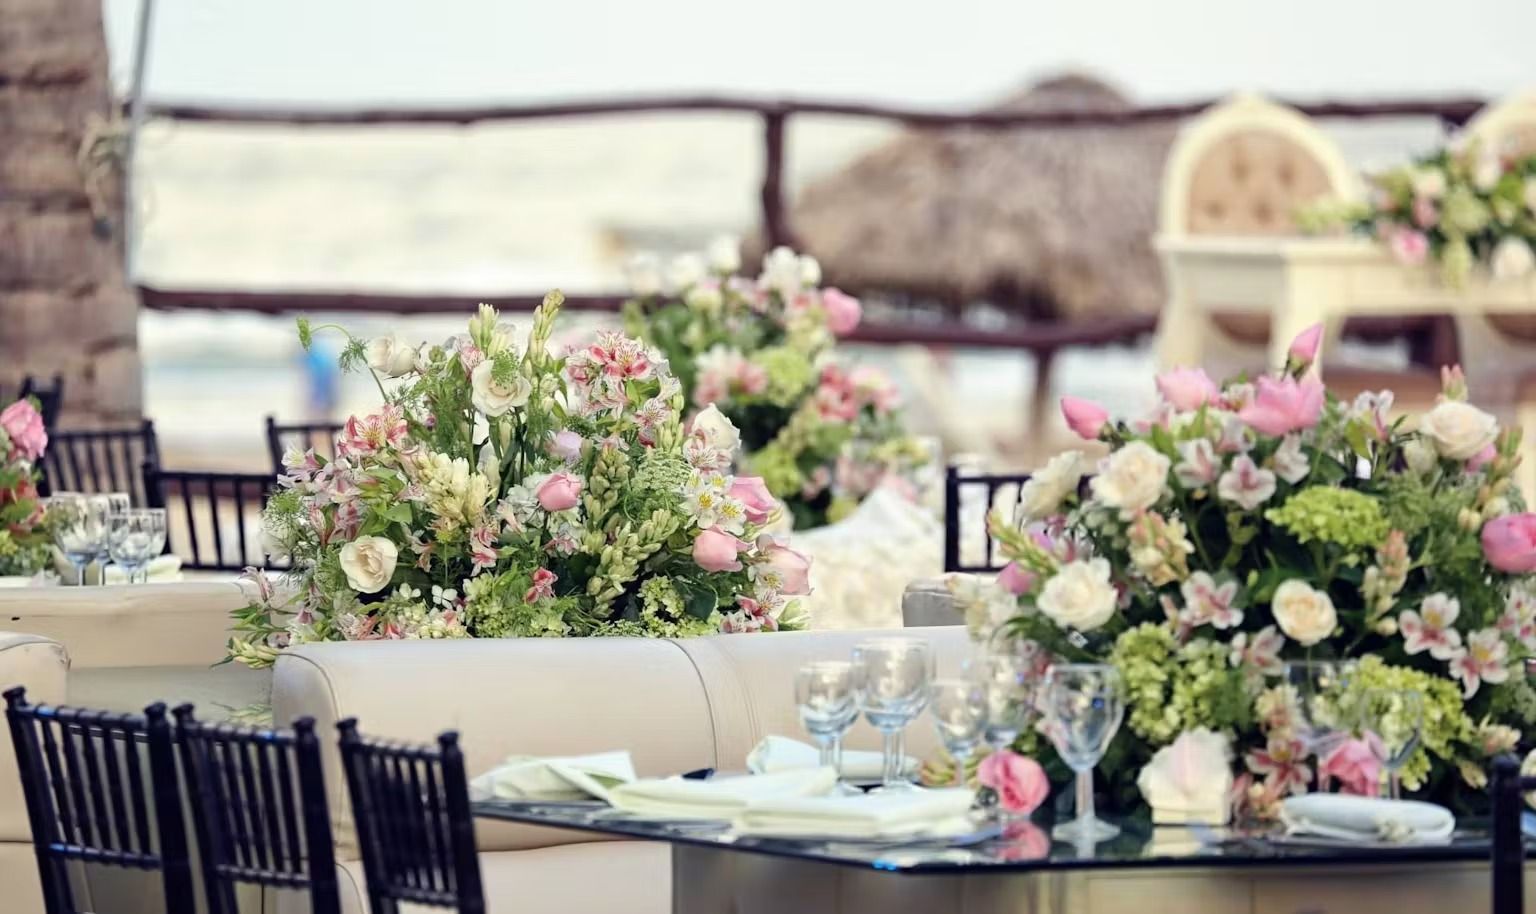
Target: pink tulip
{"points": [[566, 445], [24, 425], [1409, 247], [716, 550], [1356, 764], [560, 492], [1020, 782], [1482, 458], [754, 497], [1014, 579], [793, 568], [1187, 389], [1509, 543], [1084, 417], [1304, 347], [1285, 405], [843, 311]]}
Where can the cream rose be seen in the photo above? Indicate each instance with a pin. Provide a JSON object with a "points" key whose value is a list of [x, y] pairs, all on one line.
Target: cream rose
{"points": [[1132, 478], [390, 356], [1304, 613], [1458, 429], [1043, 494], [1079, 595], [369, 562], [497, 399], [716, 430]]}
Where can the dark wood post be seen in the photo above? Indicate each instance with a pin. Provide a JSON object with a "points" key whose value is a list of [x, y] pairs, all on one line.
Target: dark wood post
{"points": [[1508, 843], [775, 223]]}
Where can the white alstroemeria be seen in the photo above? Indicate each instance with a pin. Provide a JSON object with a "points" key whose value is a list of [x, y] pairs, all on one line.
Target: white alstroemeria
{"points": [[1291, 463], [1482, 660], [1198, 464], [1048, 487], [1132, 479], [708, 502], [1206, 601], [1432, 627], [1246, 484], [724, 254]]}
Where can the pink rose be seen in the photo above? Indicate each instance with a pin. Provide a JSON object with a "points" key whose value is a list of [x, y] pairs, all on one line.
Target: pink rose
{"points": [[1285, 405], [716, 550], [754, 497], [791, 567], [843, 311], [566, 445], [24, 425], [1304, 347], [1509, 543], [1409, 247], [559, 492], [1020, 782], [1014, 579], [1482, 458], [1084, 417], [1356, 764], [1187, 389]]}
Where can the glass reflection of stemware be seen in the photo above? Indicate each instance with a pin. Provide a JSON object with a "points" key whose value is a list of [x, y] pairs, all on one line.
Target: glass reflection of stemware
{"points": [[1319, 687], [136, 537], [1391, 722], [892, 675], [959, 710], [1010, 700], [828, 700], [79, 525], [1083, 704]]}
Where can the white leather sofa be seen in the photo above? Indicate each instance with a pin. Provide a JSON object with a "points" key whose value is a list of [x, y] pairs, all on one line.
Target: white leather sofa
{"points": [[676, 705], [40, 665]]}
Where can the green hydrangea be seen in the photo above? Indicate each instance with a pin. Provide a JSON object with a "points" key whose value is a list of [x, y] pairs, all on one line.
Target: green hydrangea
{"points": [[1445, 718], [494, 608], [789, 373], [1171, 689], [1342, 517], [662, 615], [1462, 213]]}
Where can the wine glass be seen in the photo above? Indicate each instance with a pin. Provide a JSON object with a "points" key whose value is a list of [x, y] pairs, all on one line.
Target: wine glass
{"points": [[136, 536], [80, 529], [959, 709], [1083, 704], [117, 503], [892, 676], [1319, 687], [1391, 721], [828, 699], [1005, 682]]}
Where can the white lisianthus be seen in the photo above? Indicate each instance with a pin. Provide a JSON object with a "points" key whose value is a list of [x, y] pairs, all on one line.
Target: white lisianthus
{"points": [[685, 270], [724, 254], [716, 430], [369, 563], [1043, 494], [643, 275], [1511, 259], [1132, 478], [1304, 613], [390, 355], [495, 399], [1080, 595], [1459, 430]]}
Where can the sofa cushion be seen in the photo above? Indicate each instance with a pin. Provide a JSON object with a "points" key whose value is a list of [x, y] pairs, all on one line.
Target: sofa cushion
{"points": [[182, 624]]}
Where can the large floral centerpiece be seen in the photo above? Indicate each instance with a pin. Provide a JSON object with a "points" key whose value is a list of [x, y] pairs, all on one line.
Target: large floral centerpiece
{"points": [[503, 491], [24, 549], [1244, 525], [1461, 206], [821, 435]]}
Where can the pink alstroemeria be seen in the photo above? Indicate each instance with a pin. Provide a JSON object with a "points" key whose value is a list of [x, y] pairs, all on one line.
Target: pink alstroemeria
{"points": [[482, 547], [1245, 484], [1431, 628], [1261, 655], [543, 586], [1481, 661], [1518, 620], [1198, 464], [1206, 601], [1282, 762], [373, 433]]}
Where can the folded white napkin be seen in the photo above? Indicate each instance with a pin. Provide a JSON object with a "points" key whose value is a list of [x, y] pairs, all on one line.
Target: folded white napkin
{"points": [[1351, 818], [163, 569], [578, 777], [720, 797], [780, 753], [882, 814]]}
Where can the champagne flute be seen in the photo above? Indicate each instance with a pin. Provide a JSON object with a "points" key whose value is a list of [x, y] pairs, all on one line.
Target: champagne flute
{"points": [[1083, 706], [892, 676], [1391, 722], [827, 697]]}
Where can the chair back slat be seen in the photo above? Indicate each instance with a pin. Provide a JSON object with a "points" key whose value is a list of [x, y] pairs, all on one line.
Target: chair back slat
{"points": [[968, 499], [317, 436], [200, 507], [100, 460], [414, 828]]}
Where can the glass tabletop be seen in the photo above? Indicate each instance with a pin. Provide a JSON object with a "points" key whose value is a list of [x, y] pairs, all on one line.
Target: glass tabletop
{"points": [[1019, 846]]}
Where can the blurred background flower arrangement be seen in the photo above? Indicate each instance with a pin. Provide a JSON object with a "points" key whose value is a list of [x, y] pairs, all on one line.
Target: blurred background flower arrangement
{"points": [[24, 537]]}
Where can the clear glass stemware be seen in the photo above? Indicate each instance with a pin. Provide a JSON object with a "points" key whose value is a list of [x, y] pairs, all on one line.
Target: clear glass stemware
{"points": [[117, 503], [136, 537], [959, 710], [1006, 688], [892, 676], [1392, 722], [1083, 704], [828, 699], [1319, 687], [79, 525]]}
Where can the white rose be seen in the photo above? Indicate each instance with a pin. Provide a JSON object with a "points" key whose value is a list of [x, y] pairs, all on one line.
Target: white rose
{"points": [[1458, 429], [643, 275], [1043, 494], [1079, 595], [1420, 456], [1511, 259], [685, 270], [724, 254], [390, 356], [810, 271], [497, 399], [716, 430], [1132, 478], [1305, 614], [369, 562]]}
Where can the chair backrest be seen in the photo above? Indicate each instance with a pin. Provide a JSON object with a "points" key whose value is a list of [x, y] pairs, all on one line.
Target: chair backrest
{"points": [[410, 805], [1508, 788], [257, 798], [213, 519], [968, 499], [50, 397], [319, 436], [99, 460], [88, 797]]}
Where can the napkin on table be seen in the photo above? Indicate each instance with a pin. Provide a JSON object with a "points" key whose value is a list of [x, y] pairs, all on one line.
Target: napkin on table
{"points": [[1352, 818], [780, 753], [162, 569], [577, 777], [883, 814], [719, 797]]}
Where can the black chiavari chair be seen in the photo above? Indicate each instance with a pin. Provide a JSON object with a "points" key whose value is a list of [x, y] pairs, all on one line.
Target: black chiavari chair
{"points": [[1508, 787], [90, 799], [213, 518], [257, 799], [963, 513], [411, 808], [100, 460], [321, 436]]}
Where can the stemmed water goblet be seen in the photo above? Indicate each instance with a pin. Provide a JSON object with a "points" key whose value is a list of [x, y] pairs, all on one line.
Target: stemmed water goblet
{"points": [[892, 677], [1083, 704], [117, 503], [79, 527], [827, 697], [1391, 721], [136, 536], [959, 709], [1009, 697], [1320, 687]]}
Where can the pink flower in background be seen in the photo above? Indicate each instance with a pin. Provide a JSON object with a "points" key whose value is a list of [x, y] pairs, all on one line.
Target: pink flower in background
{"points": [[1356, 764], [786, 570], [875, 388], [1187, 389], [843, 310], [1482, 458], [482, 547], [1425, 214], [566, 445], [1432, 627], [1481, 661], [1304, 347], [559, 492], [1285, 405], [1509, 543], [543, 586], [24, 426], [756, 616], [835, 396], [1084, 417], [716, 550], [754, 496], [1409, 247], [1020, 782], [1014, 579], [752, 378]]}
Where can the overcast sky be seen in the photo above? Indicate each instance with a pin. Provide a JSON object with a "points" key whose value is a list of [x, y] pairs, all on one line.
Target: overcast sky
{"points": [[949, 52]]}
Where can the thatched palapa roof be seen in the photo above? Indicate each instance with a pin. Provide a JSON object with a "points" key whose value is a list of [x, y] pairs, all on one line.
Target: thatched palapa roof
{"points": [[1047, 223]]}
